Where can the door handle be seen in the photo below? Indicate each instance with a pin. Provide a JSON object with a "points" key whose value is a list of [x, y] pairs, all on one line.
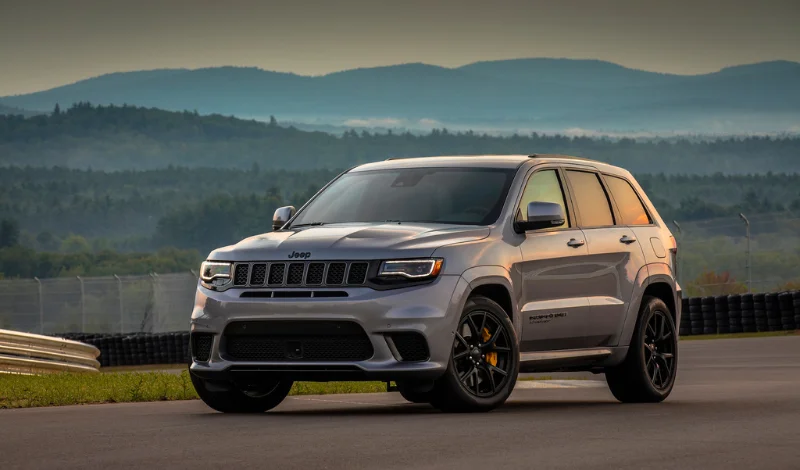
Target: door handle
{"points": [[575, 243], [627, 240]]}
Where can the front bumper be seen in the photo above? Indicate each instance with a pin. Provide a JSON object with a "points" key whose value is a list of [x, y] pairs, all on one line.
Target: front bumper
{"points": [[432, 310]]}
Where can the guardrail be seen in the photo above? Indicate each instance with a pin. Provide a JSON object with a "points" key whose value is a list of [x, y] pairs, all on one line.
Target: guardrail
{"points": [[25, 353]]}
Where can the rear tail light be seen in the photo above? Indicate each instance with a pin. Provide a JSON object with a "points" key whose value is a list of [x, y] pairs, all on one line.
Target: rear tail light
{"points": [[673, 245]]}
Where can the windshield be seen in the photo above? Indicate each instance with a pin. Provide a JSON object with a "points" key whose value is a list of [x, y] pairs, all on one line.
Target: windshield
{"points": [[466, 196]]}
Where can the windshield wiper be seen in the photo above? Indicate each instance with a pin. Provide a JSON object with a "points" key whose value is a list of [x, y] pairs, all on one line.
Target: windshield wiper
{"points": [[308, 224]]}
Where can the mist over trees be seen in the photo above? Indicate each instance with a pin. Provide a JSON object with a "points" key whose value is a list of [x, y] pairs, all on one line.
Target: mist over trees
{"points": [[114, 138], [96, 190]]}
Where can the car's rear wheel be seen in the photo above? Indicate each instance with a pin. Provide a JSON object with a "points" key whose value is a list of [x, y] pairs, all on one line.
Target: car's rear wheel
{"points": [[648, 372], [228, 398], [484, 360]]}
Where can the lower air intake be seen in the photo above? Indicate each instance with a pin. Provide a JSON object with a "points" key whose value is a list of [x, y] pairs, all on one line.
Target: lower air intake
{"points": [[201, 346], [411, 346], [297, 341]]}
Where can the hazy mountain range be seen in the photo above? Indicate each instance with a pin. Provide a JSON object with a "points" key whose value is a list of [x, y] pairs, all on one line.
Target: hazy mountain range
{"points": [[524, 94], [17, 111]]}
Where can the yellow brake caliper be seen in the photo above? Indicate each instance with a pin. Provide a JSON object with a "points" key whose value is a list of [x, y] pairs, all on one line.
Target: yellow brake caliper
{"points": [[491, 357]]}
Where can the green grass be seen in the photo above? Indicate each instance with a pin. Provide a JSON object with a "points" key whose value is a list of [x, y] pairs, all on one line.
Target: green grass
{"points": [[763, 334], [28, 391], [25, 391]]}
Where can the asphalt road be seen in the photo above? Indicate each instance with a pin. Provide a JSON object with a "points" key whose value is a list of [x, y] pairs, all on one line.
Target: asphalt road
{"points": [[736, 404]]}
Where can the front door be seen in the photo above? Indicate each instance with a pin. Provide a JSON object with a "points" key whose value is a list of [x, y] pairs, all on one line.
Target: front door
{"points": [[554, 306]]}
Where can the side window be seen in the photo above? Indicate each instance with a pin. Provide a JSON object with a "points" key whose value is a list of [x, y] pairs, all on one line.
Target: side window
{"points": [[543, 186], [630, 206], [589, 195]]}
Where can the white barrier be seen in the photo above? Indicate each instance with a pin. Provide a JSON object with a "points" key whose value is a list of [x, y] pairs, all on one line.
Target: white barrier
{"points": [[25, 353]]}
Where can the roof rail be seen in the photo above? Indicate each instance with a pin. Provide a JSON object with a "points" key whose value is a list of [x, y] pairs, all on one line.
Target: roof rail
{"points": [[565, 157]]}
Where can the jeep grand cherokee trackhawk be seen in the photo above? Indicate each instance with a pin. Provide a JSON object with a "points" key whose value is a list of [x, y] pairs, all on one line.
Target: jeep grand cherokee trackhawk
{"points": [[448, 276]]}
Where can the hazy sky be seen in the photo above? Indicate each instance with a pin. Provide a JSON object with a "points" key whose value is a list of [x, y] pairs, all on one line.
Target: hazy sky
{"points": [[46, 43]]}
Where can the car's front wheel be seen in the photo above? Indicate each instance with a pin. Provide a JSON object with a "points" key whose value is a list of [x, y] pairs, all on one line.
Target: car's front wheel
{"points": [[648, 372], [484, 360], [228, 398]]}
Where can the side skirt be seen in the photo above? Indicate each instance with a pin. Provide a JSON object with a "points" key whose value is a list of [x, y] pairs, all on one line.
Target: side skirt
{"points": [[571, 359]]}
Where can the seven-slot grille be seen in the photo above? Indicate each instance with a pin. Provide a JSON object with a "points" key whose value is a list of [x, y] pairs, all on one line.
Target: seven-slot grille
{"points": [[300, 274]]}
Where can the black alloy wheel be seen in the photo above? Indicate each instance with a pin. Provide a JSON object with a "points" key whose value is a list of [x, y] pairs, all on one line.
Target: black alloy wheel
{"points": [[659, 350], [482, 354], [647, 374], [484, 360]]}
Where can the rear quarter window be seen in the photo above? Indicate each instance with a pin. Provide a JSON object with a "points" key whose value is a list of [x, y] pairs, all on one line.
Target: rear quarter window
{"points": [[631, 209]]}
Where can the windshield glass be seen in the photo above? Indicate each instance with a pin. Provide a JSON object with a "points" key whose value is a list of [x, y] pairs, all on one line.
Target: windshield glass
{"points": [[466, 196]]}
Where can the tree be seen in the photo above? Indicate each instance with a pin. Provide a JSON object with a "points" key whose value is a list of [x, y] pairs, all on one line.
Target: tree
{"points": [[57, 110], [75, 244], [9, 233], [47, 241]]}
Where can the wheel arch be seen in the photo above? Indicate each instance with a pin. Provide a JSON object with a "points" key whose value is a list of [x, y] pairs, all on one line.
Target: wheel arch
{"points": [[493, 282], [654, 280]]}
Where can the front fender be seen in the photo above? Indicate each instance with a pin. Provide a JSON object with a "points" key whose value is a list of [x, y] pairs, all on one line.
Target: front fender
{"points": [[485, 275]]}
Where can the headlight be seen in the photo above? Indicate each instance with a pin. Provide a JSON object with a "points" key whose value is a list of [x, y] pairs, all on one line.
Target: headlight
{"points": [[411, 269], [215, 273]]}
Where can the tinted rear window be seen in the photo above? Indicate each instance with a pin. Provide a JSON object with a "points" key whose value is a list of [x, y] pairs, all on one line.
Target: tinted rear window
{"points": [[591, 199], [629, 205]]}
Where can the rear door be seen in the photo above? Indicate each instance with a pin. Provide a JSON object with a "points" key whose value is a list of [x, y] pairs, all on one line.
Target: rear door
{"points": [[614, 254], [554, 306], [632, 211]]}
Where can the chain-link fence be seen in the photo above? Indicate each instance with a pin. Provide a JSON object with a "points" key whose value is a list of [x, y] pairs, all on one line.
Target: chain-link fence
{"points": [[715, 258], [733, 255], [116, 304]]}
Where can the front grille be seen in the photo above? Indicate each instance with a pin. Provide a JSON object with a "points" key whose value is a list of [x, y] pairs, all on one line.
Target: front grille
{"points": [[258, 274], [297, 341], [314, 274], [336, 273], [411, 346], [276, 272], [201, 346], [295, 277], [357, 273], [300, 274], [240, 275]]}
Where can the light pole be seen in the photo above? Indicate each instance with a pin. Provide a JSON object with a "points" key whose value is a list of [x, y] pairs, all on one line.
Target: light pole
{"points": [[678, 255], [749, 264]]}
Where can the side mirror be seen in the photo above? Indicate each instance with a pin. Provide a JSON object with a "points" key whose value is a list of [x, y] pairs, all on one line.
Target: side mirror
{"points": [[542, 215], [282, 215]]}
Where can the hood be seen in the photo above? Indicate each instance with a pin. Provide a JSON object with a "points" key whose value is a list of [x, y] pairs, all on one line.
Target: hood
{"points": [[351, 241]]}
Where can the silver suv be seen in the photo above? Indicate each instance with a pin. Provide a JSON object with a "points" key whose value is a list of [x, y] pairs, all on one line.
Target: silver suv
{"points": [[448, 276]]}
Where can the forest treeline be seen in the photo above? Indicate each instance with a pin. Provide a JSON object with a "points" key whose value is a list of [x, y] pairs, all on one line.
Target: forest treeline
{"points": [[133, 138], [200, 209]]}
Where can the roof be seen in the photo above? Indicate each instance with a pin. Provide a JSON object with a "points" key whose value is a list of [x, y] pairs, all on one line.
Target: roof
{"points": [[469, 161]]}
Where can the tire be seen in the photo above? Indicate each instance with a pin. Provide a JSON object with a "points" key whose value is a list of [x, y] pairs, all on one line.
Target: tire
{"points": [[470, 383], [631, 382], [234, 400], [414, 394]]}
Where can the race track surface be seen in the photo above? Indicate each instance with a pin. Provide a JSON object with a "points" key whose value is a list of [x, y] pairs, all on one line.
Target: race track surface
{"points": [[736, 404]]}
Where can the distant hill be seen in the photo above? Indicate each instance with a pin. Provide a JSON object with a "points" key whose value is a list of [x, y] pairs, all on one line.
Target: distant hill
{"points": [[543, 94], [8, 110], [133, 138]]}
